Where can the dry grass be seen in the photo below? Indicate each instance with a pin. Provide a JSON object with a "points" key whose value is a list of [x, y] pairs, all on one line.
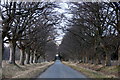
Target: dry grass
{"points": [[26, 71], [107, 70], [94, 71]]}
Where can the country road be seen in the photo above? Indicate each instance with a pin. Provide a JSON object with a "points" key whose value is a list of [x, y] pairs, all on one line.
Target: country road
{"points": [[59, 70]]}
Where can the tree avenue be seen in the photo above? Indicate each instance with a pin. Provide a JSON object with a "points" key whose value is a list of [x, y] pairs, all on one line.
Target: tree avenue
{"points": [[29, 27], [93, 33]]}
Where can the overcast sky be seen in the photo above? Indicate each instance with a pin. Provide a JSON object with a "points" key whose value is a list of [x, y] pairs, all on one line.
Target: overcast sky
{"points": [[62, 24]]}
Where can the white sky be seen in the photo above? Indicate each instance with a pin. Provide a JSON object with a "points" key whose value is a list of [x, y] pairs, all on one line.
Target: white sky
{"points": [[59, 31]]}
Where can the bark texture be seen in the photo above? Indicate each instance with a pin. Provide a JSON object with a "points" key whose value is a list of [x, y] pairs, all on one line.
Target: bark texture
{"points": [[108, 59], [119, 56], [12, 52], [22, 56], [31, 58], [35, 58], [27, 61]]}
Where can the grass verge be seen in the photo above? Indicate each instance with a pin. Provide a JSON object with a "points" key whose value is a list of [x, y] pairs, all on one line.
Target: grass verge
{"points": [[26, 71], [90, 73]]}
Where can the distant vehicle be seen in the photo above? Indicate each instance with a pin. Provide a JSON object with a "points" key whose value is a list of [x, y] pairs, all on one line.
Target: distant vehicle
{"points": [[57, 57]]}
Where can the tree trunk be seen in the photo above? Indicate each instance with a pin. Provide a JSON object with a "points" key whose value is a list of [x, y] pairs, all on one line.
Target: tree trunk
{"points": [[94, 60], [31, 58], [22, 56], [83, 59], [35, 58], [119, 62], [91, 60], [119, 56], [12, 52], [1, 50], [108, 59], [86, 59], [98, 60], [27, 61]]}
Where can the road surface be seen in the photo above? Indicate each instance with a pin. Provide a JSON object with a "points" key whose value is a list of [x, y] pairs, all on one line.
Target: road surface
{"points": [[59, 70]]}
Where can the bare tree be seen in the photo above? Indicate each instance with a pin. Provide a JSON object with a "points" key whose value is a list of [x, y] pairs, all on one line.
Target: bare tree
{"points": [[93, 24]]}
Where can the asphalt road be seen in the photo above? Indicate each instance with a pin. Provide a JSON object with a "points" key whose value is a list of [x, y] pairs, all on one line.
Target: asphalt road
{"points": [[59, 70]]}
